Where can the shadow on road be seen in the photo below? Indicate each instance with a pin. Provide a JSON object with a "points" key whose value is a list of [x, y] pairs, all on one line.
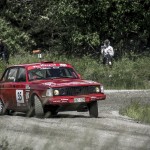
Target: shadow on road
{"points": [[54, 117]]}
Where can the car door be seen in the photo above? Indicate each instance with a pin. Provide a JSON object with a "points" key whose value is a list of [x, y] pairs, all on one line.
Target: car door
{"points": [[7, 88], [20, 90]]}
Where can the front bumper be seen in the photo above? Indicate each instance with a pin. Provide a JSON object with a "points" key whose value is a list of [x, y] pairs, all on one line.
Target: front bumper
{"points": [[57, 100]]}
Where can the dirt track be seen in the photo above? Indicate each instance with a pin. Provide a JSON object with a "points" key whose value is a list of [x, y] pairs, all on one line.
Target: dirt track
{"points": [[73, 130]]}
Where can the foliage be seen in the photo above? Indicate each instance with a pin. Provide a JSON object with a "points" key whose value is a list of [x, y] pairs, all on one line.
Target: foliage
{"points": [[79, 27], [16, 40], [37, 18], [125, 74]]}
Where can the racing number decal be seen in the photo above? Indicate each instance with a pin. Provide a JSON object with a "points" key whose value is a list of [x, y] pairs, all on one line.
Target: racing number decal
{"points": [[19, 96]]}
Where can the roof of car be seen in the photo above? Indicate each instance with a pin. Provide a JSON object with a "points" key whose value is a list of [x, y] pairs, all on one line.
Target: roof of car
{"points": [[45, 63]]}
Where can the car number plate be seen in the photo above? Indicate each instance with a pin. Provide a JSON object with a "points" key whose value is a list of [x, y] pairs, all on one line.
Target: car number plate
{"points": [[76, 100]]}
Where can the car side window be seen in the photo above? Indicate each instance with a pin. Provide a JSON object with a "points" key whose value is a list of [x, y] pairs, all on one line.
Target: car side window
{"points": [[21, 75], [12, 75], [4, 78]]}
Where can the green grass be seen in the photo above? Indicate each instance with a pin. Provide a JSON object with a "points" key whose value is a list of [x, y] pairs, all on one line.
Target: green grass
{"points": [[137, 111], [125, 73]]}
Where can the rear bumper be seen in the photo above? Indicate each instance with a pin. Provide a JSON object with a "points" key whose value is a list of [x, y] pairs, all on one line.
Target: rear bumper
{"points": [[58, 100]]}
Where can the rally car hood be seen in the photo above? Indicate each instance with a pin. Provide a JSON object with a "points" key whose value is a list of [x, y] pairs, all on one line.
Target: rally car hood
{"points": [[66, 82]]}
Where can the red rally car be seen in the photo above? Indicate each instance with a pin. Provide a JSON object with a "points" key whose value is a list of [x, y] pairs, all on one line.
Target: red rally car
{"points": [[47, 88]]}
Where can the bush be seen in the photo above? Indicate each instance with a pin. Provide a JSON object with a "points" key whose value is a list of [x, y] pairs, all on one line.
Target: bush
{"points": [[125, 74], [16, 40]]}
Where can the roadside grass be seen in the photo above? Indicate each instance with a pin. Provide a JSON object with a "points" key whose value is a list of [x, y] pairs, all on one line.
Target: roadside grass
{"points": [[125, 73], [139, 112]]}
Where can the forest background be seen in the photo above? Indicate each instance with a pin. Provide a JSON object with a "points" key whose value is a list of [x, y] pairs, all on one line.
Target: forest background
{"points": [[74, 30]]}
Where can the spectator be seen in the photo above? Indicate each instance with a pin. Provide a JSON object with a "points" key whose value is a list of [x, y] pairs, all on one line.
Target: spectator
{"points": [[107, 53], [4, 54]]}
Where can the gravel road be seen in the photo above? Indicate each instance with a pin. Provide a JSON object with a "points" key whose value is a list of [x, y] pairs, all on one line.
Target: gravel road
{"points": [[74, 130]]}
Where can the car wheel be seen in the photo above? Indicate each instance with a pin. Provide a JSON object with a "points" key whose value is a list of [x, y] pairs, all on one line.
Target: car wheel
{"points": [[11, 112], [31, 111], [50, 114], [2, 108], [54, 113], [50, 111], [93, 109], [38, 107]]}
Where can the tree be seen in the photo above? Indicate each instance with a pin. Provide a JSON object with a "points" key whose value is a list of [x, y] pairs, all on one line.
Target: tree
{"points": [[79, 27]]}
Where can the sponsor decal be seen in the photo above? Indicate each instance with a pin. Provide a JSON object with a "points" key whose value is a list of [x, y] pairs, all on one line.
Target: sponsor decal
{"points": [[33, 67], [64, 99], [69, 83], [49, 83], [56, 101], [19, 96], [93, 97], [89, 81], [63, 65], [48, 65], [36, 66], [77, 83], [45, 66]]}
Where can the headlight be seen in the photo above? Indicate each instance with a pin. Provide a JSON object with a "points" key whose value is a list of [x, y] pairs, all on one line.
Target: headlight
{"points": [[56, 92], [49, 92], [102, 89], [97, 89]]}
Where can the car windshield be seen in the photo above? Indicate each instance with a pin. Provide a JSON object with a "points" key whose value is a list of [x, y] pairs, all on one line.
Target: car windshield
{"points": [[51, 73]]}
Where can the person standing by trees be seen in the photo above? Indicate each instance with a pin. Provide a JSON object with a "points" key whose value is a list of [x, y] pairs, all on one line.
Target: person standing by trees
{"points": [[107, 52], [4, 54]]}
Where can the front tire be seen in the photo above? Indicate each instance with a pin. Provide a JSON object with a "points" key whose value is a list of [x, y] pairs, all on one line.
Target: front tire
{"points": [[38, 107], [93, 109], [50, 111]]}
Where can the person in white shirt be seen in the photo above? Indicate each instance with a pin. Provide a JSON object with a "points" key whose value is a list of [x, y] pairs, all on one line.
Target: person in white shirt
{"points": [[107, 53]]}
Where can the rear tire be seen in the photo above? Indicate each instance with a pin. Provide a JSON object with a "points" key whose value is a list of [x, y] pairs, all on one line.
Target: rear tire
{"points": [[3, 110], [38, 107], [93, 109], [31, 110]]}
